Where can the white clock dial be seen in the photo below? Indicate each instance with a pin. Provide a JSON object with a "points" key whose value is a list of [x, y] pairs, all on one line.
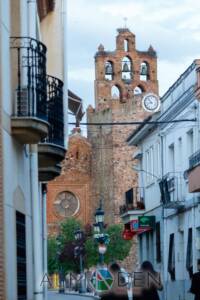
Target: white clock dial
{"points": [[151, 102]]}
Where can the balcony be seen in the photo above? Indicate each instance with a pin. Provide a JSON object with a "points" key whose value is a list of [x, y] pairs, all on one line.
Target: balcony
{"points": [[171, 189], [194, 172], [134, 204], [29, 121], [51, 150]]}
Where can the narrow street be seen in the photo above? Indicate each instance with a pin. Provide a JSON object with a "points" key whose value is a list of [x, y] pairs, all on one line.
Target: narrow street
{"points": [[55, 296]]}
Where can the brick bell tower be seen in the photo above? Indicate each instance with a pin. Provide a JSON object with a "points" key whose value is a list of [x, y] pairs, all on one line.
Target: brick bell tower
{"points": [[122, 78]]}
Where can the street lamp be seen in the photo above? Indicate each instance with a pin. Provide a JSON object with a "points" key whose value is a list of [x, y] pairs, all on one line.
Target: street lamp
{"points": [[78, 251], [99, 235]]}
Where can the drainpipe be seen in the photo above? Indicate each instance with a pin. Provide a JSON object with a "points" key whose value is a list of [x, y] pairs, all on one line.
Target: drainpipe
{"points": [[34, 184], [36, 224], [65, 69], [44, 221], [164, 220]]}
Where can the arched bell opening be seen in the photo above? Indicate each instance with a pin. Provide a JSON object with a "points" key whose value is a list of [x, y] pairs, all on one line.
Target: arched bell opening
{"points": [[126, 45], [116, 92], [109, 71], [144, 71], [138, 90], [127, 69]]}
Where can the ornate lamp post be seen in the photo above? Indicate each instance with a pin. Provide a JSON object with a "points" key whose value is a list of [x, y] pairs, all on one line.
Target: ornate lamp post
{"points": [[99, 235], [79, 251]]}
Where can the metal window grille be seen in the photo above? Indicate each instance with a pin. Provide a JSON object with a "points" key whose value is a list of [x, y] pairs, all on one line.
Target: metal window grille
{"points": [[158, 243], [189, 256], [171, 257], [21, 256]]}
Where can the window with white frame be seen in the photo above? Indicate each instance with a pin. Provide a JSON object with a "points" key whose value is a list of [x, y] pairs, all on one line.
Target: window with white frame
{"points": [[180, 152], [158, 159], [171, 160], [150, 165], [190, 142]]}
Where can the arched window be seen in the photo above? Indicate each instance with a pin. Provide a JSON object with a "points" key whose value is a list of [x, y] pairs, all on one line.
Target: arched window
{"points": [[126, 45], [109, 70], [144, 71], [127, 69], [115, 92], [138, 90]]}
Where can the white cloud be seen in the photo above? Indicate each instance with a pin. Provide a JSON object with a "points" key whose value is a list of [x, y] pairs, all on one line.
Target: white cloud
{"points": [[172, 27]]}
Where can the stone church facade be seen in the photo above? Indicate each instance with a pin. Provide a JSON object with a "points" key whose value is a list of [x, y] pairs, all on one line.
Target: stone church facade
{"points": [[69, 195], [100, 167]]}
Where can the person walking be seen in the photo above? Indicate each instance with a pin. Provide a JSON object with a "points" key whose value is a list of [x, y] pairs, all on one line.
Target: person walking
{"points": [[195, 284], [150, 283], [119, 288]]}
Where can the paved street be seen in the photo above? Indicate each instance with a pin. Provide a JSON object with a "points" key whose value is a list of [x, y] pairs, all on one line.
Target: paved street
{"points": [[56, 296]]}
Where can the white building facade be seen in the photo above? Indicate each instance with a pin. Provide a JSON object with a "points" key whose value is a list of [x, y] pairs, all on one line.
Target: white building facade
{"points": [[167, 165], [31, 143]]}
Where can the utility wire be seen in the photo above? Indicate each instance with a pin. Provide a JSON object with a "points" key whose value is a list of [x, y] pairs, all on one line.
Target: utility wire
{"points": [[134, 122]]}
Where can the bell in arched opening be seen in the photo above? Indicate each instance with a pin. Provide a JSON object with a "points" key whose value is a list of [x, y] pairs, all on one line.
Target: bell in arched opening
{"points": [[109, 70], [125, 68], [144, 71]]}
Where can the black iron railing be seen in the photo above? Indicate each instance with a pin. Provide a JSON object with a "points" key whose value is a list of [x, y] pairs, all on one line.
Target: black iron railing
{"points": [[29, 63], [134, 200], [194, 159], [55, 111]]}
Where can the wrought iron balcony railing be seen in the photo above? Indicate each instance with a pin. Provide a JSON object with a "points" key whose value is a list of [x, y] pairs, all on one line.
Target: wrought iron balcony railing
{"points": [[172, 190], [194, 159], [29, 67], [55, 111], [134, 200]]}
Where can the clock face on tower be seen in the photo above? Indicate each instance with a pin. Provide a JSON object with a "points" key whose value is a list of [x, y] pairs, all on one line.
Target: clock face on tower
{"points": [[66, 204], [151, 102]]}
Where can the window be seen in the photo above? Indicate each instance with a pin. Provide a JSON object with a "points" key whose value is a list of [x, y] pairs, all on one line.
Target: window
{"points": [[180, 152], [171, 161], [129, 197], [138, 90], [141, 247], [149, 165], [144, 71], [171, 257], [109, 70], [115, 92], [190, 142], [158, 159], [147, 246], [126, 45], [126, 69], [21, 256], [189, 257], [158, 243]]}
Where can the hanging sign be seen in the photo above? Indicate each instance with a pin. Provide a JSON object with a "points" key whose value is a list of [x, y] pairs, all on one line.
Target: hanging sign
{"points": [[147, 222]]}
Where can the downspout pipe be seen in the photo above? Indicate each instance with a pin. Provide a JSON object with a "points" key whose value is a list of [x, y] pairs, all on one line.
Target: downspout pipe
{"points": [[65, 70], [34, 185], [44, 221]]}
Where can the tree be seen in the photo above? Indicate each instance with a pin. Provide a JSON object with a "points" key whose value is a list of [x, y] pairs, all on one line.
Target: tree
{"points": [[52, 259], [117, 249]]}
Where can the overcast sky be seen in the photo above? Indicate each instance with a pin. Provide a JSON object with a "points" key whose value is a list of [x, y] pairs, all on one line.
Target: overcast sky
{"points": [[171, 26]]}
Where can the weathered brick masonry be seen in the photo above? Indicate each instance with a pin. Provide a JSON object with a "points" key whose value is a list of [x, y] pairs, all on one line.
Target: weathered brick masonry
{"points": [[112, 173]]}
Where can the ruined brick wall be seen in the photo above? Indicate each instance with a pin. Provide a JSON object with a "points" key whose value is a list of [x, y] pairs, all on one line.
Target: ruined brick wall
{"points": [[75, 178], [112, 158]]}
